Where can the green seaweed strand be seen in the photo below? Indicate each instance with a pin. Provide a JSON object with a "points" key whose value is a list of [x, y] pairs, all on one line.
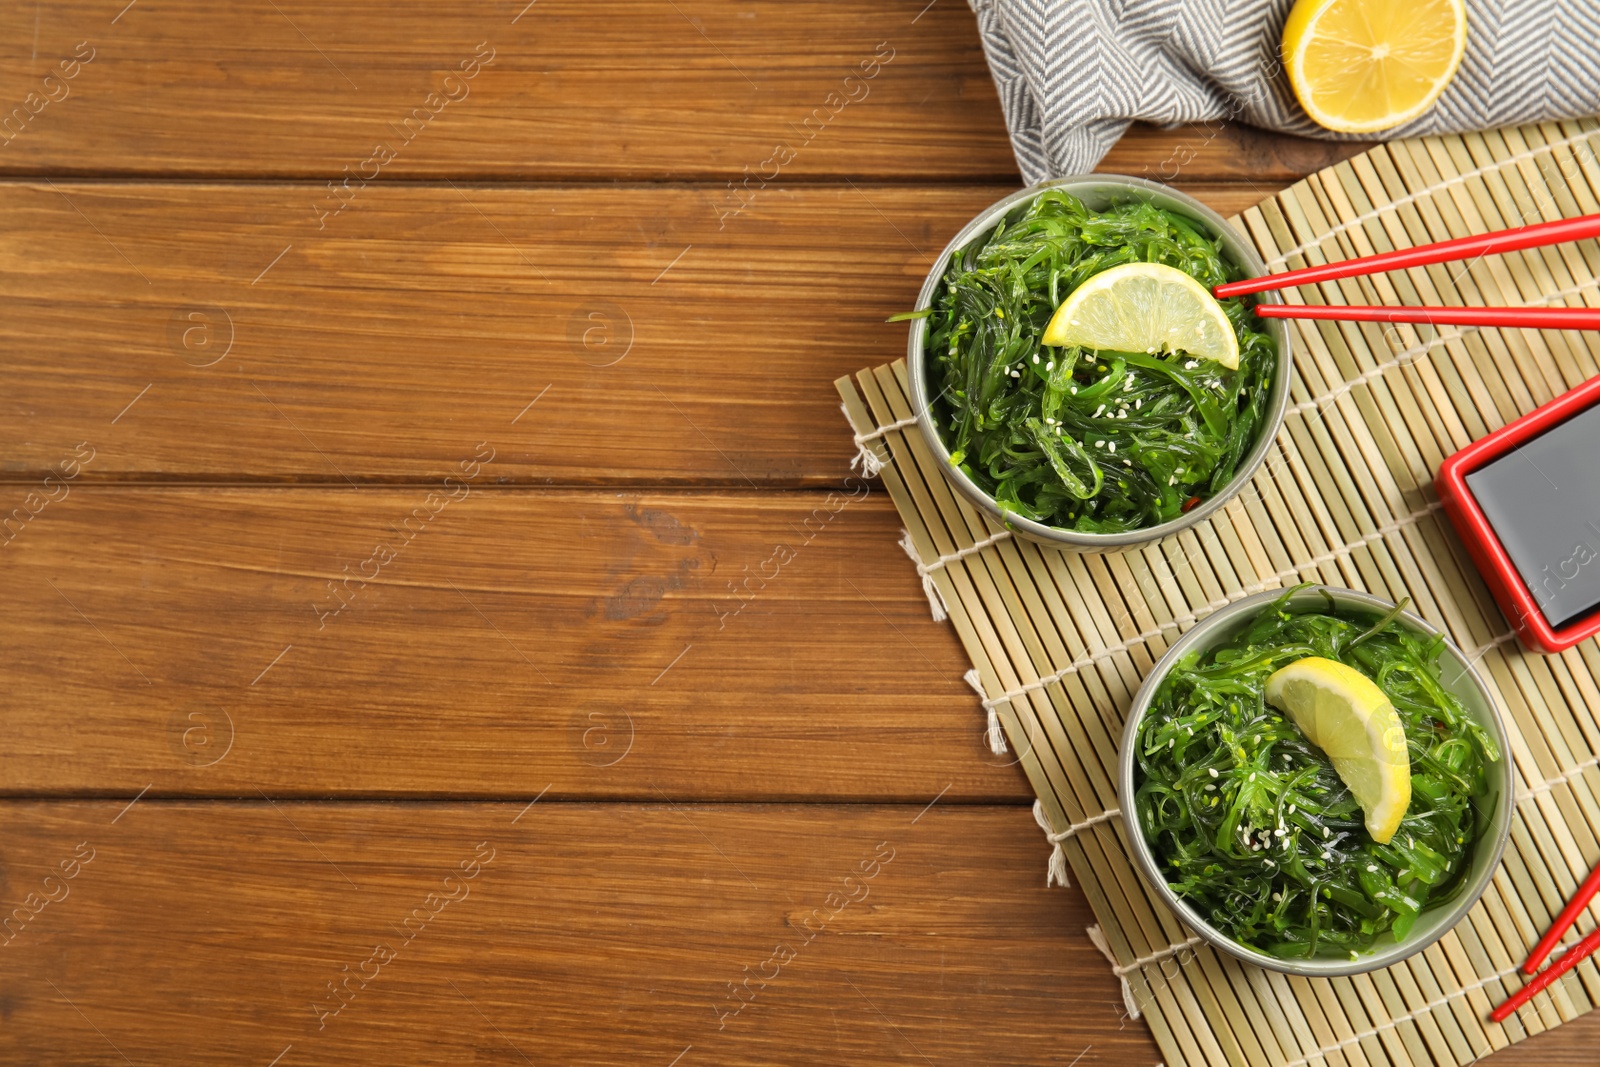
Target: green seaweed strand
{"points": [[1093, 441], [1253, 826]]}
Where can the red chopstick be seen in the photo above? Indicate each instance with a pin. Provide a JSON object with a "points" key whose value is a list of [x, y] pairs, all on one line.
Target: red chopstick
{"points": [[1513, 240], [1570, 959], [1532, 318], [1569, 915]]}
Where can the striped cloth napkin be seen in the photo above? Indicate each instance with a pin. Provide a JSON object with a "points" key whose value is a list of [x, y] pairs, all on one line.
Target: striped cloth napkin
{"points": [[1073, 74]]}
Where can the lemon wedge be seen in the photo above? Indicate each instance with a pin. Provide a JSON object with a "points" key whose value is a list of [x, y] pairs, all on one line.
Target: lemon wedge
{"points": [[1358, 66], [1344, 713], [1145, 307]]}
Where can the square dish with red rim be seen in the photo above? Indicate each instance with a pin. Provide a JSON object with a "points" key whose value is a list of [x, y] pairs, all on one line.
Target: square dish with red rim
{"points": [[1525, 501]]}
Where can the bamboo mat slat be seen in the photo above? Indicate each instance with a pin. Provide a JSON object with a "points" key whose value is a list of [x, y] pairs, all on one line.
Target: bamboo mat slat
{"points": [[1060, 642]]}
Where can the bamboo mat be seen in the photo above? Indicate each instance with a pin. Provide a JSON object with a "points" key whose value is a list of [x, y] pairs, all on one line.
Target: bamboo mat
{"points": [[1061, 641]]}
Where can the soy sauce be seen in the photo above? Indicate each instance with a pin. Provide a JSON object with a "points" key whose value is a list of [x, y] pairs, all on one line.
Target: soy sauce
{"points": [[1543, 501]]}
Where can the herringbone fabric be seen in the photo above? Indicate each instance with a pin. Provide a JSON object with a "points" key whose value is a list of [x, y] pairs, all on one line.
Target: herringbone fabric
{"points": [[1073, 74]]}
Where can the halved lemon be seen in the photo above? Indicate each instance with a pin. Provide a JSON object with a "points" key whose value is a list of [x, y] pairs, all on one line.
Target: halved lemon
{"points": [[1358, 66], [1145, 307], [1344, 713]]}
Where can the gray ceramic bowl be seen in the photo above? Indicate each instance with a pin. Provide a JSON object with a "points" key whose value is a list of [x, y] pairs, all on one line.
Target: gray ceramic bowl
{"points": [[1458, 677], [1099, 191]]}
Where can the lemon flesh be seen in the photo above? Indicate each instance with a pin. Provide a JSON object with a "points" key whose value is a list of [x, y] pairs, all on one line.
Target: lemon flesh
{"points": [[1344, 713], [1358, 66], [1145, 307]]}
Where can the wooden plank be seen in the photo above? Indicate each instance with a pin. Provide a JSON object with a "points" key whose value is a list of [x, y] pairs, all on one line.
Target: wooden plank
{"points": [[620, 89], [393, 642], [586, 934], [604, 934], [213, 332], [693, 90]]}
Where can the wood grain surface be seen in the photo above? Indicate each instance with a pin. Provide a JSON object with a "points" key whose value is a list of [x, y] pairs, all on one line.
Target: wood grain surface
{"points": [[613, 934], [368, 472], [481, 642]]}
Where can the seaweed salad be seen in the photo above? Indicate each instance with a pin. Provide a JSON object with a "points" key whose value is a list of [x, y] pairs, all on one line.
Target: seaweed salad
{"points": [[1097, 442], [1251, 824]]}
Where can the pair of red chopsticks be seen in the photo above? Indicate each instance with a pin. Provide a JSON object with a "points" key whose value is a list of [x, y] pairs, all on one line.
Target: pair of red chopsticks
{"points": [[1514, 240], [1569, 959]]}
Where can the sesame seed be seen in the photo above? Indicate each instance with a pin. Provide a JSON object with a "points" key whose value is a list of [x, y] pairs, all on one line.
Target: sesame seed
{"points": [[1371, 869], [1214, 773], [1113, 446], [1036, 358], [1050, 365]]}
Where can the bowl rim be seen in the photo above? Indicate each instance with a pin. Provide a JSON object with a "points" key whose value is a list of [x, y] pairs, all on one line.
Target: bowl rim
{"points": [[1144, 859], [1236, 246]]}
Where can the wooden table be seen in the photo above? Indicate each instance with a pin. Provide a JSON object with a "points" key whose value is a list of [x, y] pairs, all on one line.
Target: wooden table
{"points": [[430, 636]]}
